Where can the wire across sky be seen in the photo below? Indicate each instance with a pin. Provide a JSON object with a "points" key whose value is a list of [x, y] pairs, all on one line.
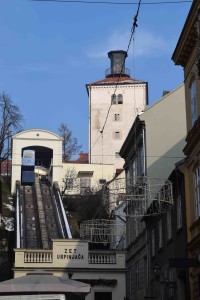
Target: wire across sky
{"points": [[116, 3]]}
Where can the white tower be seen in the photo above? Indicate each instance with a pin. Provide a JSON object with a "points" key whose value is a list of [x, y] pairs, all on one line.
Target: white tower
{"points": [[114, 102]]}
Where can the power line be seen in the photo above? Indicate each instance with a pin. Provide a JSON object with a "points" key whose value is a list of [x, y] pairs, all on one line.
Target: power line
{"points": [[129, 43], [115, 3]]}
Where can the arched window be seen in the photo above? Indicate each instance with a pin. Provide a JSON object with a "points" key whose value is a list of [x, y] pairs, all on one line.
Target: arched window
{"points": [[113, 99], [120, 99]]}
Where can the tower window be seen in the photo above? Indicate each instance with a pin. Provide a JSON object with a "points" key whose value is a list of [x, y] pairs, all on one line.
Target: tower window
{"points": [[120, 99], [117, 117], [117, 155], [117, 99], [117, 135], [113, 99]]}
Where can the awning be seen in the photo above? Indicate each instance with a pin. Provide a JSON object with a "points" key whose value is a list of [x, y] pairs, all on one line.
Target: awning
{"points": [[43, 282]]}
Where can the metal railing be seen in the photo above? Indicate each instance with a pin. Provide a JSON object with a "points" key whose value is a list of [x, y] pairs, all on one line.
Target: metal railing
{"points": [[110, 73]]}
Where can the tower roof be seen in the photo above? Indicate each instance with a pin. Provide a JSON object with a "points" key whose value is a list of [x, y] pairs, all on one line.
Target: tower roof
{"points": [[115, 80]]}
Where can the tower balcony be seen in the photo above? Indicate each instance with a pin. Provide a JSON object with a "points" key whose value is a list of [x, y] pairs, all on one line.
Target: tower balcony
{"points": [[125, 73]]}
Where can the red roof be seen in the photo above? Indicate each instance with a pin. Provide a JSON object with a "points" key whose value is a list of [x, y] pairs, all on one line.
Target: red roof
{"points": [[111, 80], [83, 159]]}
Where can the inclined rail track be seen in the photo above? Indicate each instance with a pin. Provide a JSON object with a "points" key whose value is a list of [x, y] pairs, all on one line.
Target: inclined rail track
{"points": [[31, 232], [40, 216]]}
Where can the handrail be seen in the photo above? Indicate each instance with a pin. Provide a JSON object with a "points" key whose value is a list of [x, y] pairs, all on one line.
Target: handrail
{"points": [[63, 211], [18, 237]]}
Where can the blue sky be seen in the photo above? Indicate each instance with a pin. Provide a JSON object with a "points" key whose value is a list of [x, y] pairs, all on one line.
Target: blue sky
{"points": [[49, 51]]}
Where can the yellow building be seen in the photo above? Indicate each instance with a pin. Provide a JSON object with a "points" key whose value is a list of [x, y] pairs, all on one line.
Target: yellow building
{"points": [[187, 54]]}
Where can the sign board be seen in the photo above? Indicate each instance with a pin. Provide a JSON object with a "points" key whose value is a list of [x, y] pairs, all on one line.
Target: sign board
{"points": [[70, 253]]}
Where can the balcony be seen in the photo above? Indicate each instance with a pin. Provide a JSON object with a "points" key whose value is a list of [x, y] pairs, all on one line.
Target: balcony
{"points": [[109, 73], [66, 254]]}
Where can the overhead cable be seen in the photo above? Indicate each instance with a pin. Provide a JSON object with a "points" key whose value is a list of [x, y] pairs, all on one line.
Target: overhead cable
{"points": [[116, 3]]}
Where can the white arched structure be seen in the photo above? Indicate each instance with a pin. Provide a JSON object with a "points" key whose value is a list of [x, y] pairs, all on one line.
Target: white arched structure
{"points": [[36, 138]]}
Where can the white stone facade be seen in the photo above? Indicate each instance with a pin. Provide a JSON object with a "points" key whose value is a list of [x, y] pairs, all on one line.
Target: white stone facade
{"points": [[41, 138], [115, 119]]}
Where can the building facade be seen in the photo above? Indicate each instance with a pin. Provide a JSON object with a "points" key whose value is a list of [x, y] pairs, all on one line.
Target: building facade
{"points": [[148, 153], [114, 102], [167, 240], [104, 271], [187, 55]]}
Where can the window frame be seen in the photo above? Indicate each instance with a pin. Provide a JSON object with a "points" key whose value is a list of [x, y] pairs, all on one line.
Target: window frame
{"points": [[197, 191], [153, 248], [119, 99], [193, 100], [179, 218], [160, 234], [117, 135], [169, 224], [117, 117]]}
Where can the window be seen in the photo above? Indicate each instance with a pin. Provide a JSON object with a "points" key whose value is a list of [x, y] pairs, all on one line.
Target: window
{"points": [[117, 99], [117, 135], [169, 225], [113, 99], [152, 242], [137, 275], [117, 117], [193, 101], [160, 236], [102, 181], [140, 159], [136, 225], [117, 155], [120, 99], [179, 212], [69, 183], [85, 184], [197, 191]]}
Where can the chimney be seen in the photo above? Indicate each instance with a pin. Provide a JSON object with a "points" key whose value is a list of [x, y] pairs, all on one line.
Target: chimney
{"points": [[117, 64]]}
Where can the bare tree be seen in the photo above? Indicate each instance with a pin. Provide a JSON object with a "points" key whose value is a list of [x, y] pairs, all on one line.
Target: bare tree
{"points": [[10, 123], [70, 181], [70, 144]]}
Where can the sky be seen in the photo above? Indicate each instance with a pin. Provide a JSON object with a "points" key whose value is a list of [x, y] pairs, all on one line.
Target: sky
{"points": [[50, 50]]}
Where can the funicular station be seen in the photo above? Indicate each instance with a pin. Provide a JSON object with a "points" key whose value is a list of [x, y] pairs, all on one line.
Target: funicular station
{"points": [[49, 263]]}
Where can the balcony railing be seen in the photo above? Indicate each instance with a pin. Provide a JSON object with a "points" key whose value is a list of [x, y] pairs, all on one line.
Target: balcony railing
{"points": [[109, 73], [102, 258], [37, 256], [46, 256]]}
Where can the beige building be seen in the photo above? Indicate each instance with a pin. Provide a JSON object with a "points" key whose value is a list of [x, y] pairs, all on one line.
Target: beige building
{"points": [[165, 133], [114, 102], [48, 161], [153, 146], [103, 270]]}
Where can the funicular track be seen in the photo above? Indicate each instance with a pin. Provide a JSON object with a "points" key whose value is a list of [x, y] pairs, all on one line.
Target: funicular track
{"points": [[40, 216], [52, 217], [31, 232]]}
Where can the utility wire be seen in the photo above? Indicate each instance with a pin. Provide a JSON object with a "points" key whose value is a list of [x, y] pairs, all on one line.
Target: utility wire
{"points": [[130, 40], [115, 3]]}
